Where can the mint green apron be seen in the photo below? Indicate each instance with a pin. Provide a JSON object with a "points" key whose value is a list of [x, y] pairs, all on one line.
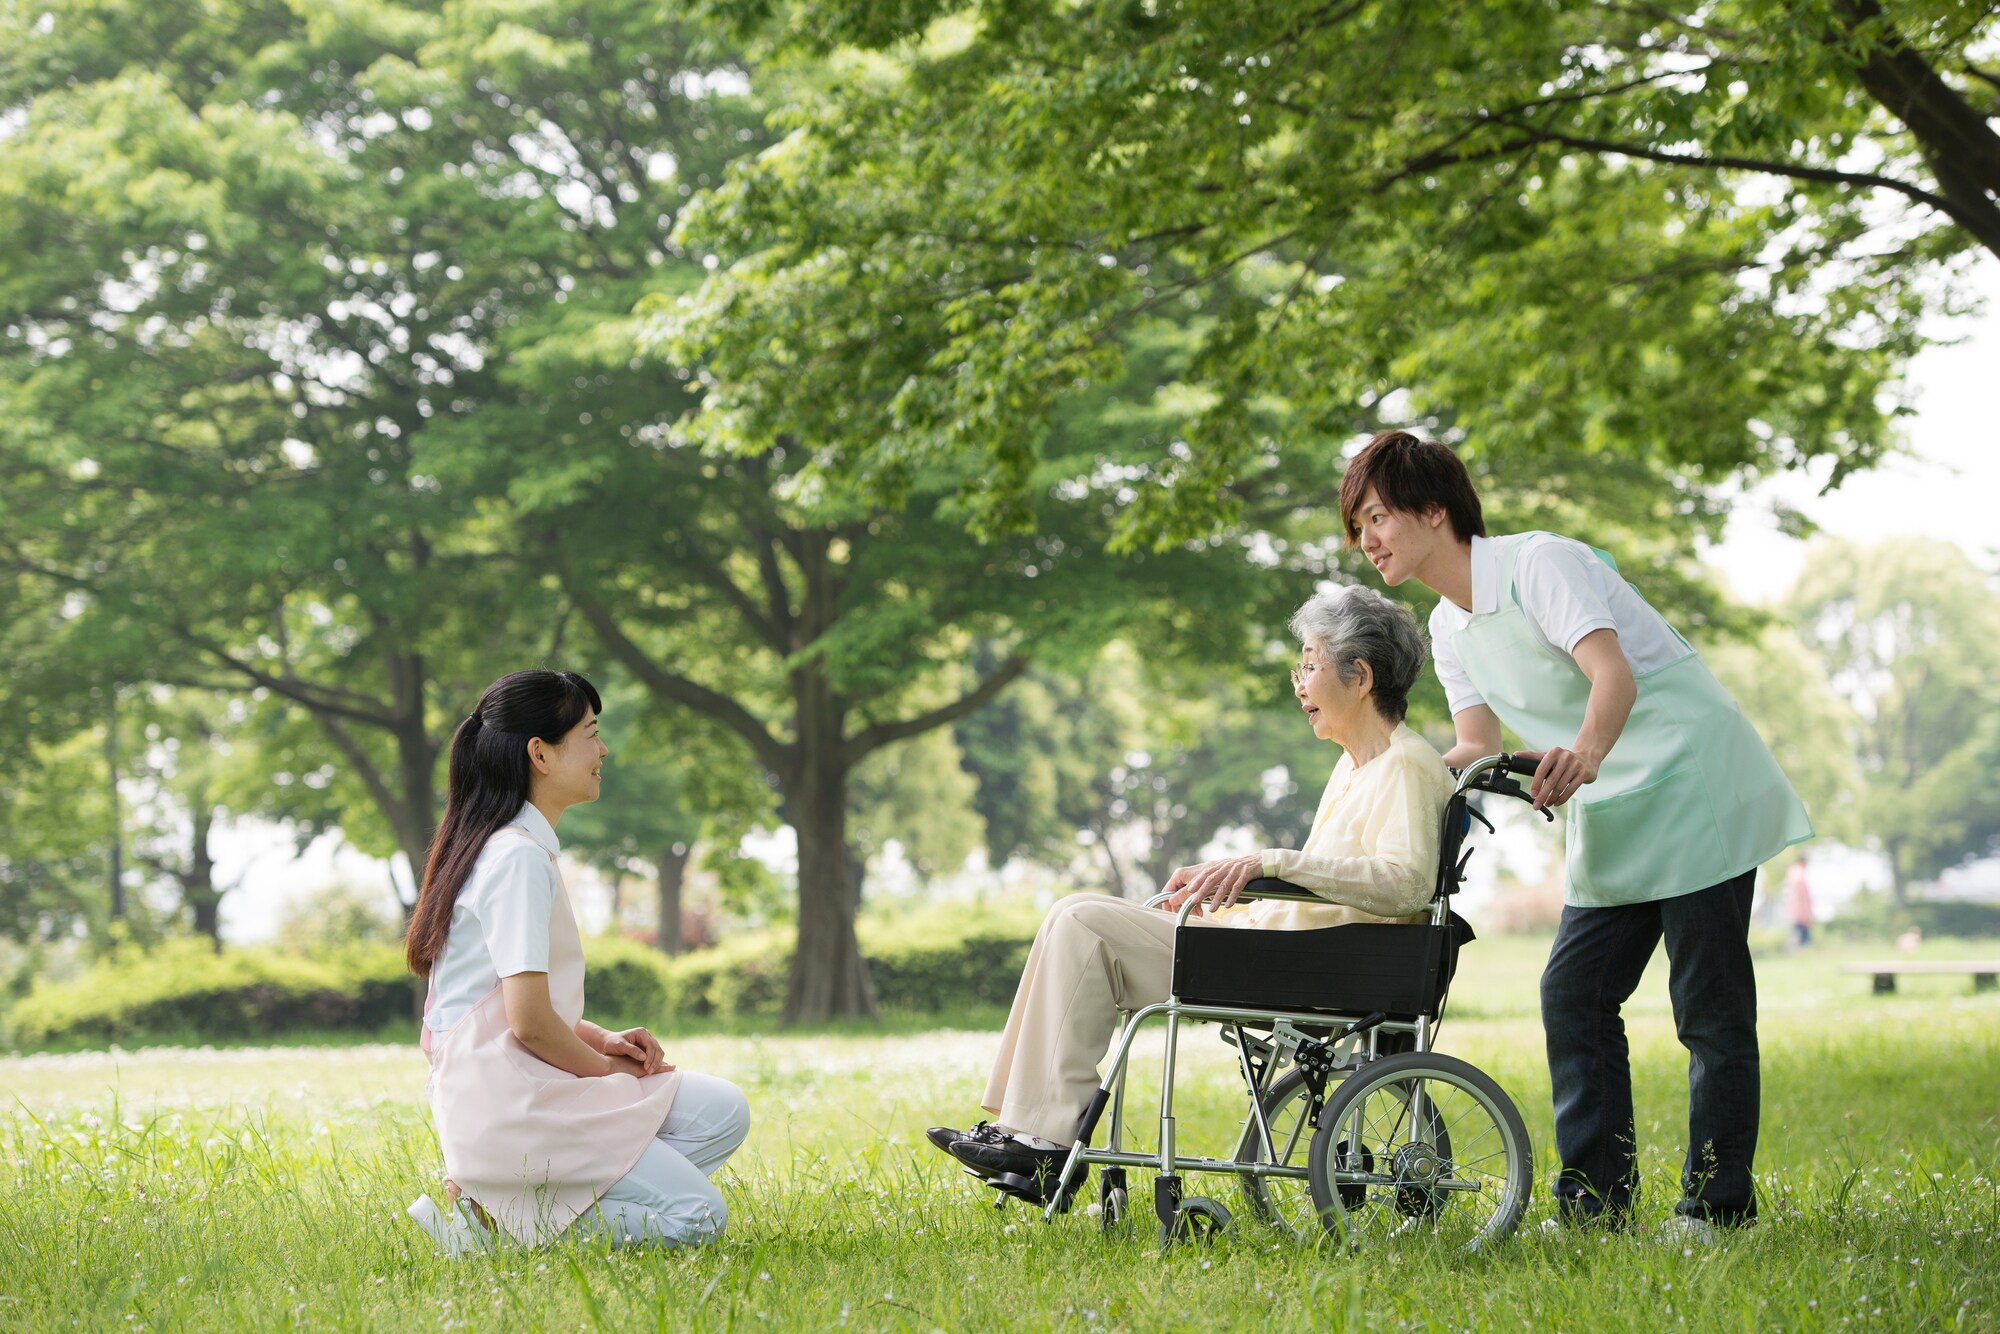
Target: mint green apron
{"points": [[1689, 796]]}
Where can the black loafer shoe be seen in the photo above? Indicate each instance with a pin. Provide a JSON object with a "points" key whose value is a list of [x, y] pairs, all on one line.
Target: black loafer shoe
{"points": [[984, 1133], [1008, 1156]]}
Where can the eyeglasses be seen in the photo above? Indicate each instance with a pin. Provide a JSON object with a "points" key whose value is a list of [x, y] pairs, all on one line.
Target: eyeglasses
{"points": [[1302, 671]]}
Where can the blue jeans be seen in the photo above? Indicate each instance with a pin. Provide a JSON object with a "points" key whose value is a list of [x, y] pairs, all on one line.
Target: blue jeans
{"points": [[1594, 967], [667, 1197]]}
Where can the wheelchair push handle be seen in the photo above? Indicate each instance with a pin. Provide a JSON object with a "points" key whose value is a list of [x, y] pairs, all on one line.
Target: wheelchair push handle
{"points": [[1500, 773]]}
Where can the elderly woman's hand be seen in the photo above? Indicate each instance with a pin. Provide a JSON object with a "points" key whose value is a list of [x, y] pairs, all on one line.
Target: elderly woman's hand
{"points": [[1215, 885]]}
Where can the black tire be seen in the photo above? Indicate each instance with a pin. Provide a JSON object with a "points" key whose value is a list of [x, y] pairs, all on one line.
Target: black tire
{"points": [[1198, 1219], [1114, 1199], [1464, 1179]]}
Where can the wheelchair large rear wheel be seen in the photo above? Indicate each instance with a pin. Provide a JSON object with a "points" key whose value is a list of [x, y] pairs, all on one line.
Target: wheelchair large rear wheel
{"points": [[1420, 1145]]}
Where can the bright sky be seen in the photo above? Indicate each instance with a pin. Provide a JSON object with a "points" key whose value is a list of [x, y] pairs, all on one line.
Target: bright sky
{"points": [[1949, 487]]}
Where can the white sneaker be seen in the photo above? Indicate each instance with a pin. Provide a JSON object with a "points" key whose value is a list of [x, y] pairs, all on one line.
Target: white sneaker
{"points": [[1687, 1230], [455, 1230]]}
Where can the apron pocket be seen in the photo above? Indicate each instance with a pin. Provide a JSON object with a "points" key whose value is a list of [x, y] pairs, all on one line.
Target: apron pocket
{"points": [[1657, 842]]}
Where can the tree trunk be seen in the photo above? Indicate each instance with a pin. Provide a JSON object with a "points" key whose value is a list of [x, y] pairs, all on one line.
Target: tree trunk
{"points": [[673, 861], [117, 817], [198, 885], [1955, 136], [1899, 888], [416, 813], [829, 978]]}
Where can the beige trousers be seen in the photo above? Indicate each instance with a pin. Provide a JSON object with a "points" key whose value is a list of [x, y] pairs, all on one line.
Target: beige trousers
{"points": [[1094, 956]]}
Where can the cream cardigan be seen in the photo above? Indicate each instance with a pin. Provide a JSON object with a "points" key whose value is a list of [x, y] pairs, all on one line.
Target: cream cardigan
{"points": [[1373, 850]]}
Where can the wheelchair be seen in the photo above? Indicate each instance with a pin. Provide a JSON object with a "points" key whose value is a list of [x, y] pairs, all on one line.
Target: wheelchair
{"points": [[1355, 1130]]}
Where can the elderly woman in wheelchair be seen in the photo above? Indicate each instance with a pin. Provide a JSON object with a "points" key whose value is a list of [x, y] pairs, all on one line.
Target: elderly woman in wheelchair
{"points": [[1261, 943]]}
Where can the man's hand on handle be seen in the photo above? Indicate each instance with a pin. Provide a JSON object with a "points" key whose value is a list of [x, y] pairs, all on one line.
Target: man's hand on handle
{"points": [[1559, 776], [1215, 885]]}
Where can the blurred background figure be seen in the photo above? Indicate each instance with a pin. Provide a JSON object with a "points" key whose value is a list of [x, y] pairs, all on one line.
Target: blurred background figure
{"points": [[1798, 904]]}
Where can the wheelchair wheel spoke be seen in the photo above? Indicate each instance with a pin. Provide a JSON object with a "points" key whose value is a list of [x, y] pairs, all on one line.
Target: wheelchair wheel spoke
{"points": [[1420, 1145]]}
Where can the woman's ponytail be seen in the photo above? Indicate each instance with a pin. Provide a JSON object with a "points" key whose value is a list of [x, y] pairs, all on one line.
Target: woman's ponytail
{"points": [[487, 781]]}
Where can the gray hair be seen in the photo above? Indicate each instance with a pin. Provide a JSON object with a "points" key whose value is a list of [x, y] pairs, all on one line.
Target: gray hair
{"points": [[1351, 624]]}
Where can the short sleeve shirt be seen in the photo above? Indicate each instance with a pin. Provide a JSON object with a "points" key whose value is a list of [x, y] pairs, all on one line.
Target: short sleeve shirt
{"points": [[1565, 593], [500, 924]]}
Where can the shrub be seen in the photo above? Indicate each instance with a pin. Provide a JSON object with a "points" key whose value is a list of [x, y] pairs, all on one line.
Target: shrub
{"points": [[182, 987], [932, 958], [925, 960], [625, 983], [1873, 916]]}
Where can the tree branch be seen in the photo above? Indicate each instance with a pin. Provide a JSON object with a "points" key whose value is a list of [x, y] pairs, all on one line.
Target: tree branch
{"points": [[873, 738], [1534, 135], [364, 768], [319, 699], [775, 754]]}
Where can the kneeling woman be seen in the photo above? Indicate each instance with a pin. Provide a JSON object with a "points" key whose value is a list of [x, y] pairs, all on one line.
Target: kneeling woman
{"points": [[1372, 855], [548, 1122]]}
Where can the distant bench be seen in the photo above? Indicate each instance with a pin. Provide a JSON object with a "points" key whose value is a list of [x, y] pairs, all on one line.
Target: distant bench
{"points": [[1983, 971]]}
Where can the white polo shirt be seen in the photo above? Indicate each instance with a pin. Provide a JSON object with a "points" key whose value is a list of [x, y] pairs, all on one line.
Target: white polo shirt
{"points": [[500, 924], [1565, 592]]}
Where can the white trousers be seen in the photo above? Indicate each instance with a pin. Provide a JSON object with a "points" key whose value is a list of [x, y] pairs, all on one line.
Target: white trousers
{"points": [[667, 1197], [1093, 956]]}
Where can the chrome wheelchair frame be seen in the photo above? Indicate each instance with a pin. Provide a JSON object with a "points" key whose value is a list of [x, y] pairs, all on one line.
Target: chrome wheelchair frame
{"points": [[1330, 1105]]}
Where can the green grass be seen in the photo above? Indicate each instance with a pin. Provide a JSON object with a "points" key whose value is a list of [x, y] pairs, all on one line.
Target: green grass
{"points": [[261, 1188]]}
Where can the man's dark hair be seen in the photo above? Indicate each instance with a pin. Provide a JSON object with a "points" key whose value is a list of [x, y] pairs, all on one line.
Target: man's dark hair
{"points": [[1410, 475]]}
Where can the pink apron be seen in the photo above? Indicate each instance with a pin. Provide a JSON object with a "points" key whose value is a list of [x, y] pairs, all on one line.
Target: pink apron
{"points": [[534, 1145]]}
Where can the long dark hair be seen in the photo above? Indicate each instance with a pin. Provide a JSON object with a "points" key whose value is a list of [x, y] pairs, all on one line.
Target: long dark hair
{"points": [[488, 782]]}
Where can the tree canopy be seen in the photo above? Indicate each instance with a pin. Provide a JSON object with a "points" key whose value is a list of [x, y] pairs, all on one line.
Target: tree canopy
{"points": [[1906, 630], [1538, 227]]}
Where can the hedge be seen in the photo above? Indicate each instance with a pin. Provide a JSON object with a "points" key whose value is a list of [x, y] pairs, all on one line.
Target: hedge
{"points": [[182, 988], [927, 960], [1874, 916]]}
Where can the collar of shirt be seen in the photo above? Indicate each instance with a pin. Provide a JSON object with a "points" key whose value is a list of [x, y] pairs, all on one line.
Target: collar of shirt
{"points": [[538, 827], [1485, 584], [1485, 576]]}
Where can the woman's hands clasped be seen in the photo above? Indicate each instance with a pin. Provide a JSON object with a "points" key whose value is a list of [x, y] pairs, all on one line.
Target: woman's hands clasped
{"points": [[1216, 885], [632, 1051]]}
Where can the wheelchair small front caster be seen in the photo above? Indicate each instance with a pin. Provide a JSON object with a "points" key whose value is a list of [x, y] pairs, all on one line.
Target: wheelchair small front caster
{"points": [[1198, 1219], [1113, 1198]]}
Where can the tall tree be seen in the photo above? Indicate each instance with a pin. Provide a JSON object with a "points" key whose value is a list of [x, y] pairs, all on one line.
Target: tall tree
{"points": [[261, 258], [1906, 630], [820, 631]]}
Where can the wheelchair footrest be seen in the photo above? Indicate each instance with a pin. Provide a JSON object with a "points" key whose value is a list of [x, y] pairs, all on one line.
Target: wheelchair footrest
{"points": [[1032, 1190]]}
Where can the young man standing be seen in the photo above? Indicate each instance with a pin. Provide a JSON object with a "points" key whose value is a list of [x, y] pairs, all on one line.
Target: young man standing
{"points": [[1671, 803]]}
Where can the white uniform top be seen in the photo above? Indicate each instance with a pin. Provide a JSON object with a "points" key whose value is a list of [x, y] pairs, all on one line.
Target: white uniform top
{"points": [[1565, 592], [500, 924]]}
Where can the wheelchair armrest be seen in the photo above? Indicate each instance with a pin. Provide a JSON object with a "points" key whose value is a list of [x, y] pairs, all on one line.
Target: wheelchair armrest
{"points": [[1270, 887], [1263, 887]]}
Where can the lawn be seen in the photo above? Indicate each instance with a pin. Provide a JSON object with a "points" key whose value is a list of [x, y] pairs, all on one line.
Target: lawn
{"points": [[252, 1188]]}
